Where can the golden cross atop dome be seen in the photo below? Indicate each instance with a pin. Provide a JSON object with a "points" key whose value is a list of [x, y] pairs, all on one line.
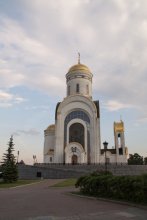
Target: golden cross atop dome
{"points": [[78, 58], [79, 67]]}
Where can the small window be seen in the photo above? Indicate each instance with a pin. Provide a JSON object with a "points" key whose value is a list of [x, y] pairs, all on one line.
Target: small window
{"points": [[120, 151], [50, 159], [87, 89], [68, 92], [77, 88]]}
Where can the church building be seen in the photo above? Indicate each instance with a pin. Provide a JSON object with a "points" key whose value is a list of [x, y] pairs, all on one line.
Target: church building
{"points": [[75, 136]]}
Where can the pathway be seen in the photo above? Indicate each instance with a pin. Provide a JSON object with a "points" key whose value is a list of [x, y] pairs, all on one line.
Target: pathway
{"points": [[41, 202]]}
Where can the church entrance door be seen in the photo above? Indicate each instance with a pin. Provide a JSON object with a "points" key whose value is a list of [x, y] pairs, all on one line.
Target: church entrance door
{"points": [[74, 159]]}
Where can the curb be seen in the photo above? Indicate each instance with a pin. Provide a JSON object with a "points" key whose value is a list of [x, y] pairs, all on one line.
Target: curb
{"points": [[27, 184], [110, 200]]}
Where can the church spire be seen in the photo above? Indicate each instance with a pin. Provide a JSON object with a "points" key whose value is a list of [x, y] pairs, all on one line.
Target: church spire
{"points": [[78, 58]]}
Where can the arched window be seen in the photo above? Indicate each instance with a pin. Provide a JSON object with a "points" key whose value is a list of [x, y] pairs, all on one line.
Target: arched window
{"points": [[76, 114], [77, 88], [76, 133]]}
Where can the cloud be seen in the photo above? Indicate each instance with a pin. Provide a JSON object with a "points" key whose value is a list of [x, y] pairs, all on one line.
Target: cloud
{"points": [[19, 100], [111, 37], [142, 120], [8, 99], [5, 96], [40, 107], [26, 60], [16, 133], [31, 132], [113, 105], [5, 105]]}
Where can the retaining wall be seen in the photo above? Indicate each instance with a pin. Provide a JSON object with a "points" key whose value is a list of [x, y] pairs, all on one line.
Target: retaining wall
{"points": [[56, 171]]}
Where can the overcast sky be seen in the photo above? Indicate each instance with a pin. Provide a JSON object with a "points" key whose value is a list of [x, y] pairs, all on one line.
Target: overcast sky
{"points": [[39, 42]]}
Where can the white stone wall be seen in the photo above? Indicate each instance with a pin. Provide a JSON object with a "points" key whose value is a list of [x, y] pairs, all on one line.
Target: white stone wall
{"points": [[47, 158], [49, 144], [83, 83], [120, 158], [114, 158]]}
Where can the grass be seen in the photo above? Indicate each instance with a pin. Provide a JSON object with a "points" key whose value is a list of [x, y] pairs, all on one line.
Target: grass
{"points": [[66, 183], [18, 183]]}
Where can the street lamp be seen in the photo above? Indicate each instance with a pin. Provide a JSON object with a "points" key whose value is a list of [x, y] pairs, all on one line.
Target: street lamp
{"points": [[105, 149], [34, 158]]}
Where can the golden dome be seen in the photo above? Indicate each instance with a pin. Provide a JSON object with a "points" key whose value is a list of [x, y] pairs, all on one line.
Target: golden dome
{"points": [[50, 128], [79, 67]]}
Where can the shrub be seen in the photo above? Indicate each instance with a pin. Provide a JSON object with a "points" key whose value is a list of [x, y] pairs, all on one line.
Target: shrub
{"points": [[101, 172], [128, 188]]}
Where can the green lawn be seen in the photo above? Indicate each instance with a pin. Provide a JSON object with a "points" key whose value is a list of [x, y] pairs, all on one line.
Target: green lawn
{"points": [[18, 183], [66, 183]]}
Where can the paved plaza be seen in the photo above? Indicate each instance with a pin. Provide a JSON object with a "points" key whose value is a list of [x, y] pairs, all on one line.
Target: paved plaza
{"points": [[41, 202]]}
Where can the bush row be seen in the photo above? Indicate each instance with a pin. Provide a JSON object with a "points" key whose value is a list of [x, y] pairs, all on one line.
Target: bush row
{"points": [[127, 188]]}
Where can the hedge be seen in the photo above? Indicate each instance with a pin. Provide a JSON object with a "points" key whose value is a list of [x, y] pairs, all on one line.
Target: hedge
{"points": [[127, 188]]}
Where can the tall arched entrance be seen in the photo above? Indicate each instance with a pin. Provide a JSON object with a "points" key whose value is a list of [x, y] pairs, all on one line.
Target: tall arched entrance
{"points": [[77, 134]]}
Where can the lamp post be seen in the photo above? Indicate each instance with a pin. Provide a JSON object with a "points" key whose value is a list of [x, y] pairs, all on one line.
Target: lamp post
{"points": [[73, 149], [105, 149], [34, 158]]}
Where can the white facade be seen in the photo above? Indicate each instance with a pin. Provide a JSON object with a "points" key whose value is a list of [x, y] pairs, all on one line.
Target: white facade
{"points": [[75, 137], [117, 154], [49, 143]]}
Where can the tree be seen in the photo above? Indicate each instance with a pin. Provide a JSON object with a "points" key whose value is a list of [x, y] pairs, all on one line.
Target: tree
{"points": [[135, 159], [145, 160], [9, 167]]}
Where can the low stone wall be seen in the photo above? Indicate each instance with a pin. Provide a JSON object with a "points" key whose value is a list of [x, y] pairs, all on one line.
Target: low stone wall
{"points": [[56, 171], [35, 172]]}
